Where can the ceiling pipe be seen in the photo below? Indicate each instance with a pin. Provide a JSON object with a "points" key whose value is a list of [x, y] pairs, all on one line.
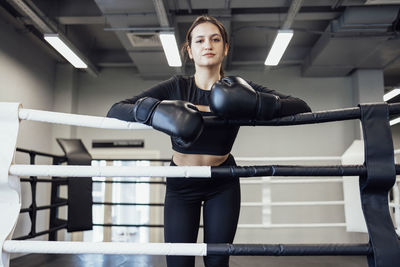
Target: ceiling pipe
{"points": [[189, 4], [283, 37], [293, 10], [140, 29], [161, 13], [167, 38]]}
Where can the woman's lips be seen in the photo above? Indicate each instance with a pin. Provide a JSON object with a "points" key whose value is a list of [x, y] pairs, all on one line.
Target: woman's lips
{"points": [[209, 55]]}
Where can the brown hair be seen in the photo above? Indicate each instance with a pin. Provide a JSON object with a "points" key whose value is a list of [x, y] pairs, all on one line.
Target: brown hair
{"points": [[200, 20]]}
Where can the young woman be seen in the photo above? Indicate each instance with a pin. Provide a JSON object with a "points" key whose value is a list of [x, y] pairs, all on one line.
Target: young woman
{"points": [[176, 107]]}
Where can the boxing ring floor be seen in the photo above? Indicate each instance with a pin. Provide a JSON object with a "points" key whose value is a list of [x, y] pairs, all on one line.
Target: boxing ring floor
{"points": [[89, 260]]}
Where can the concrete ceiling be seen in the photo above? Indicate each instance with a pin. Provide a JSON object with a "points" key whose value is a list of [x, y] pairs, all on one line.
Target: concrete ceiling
{"points": [[331, 37]]}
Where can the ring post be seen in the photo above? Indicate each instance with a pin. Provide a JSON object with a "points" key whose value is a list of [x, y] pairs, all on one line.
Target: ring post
{"points": [[375, 185], [10, 190]]}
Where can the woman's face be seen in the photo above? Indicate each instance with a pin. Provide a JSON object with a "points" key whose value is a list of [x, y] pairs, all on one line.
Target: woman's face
{"points": [[207, 47]]}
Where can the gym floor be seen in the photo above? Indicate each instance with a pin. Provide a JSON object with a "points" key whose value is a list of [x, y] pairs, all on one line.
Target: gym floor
{"points": [[92, 260]]}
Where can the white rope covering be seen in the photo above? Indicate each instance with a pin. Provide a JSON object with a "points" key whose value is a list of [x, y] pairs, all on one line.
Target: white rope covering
{"points": [[110, 171], [294, 225], [78, 120], [63, 247]]}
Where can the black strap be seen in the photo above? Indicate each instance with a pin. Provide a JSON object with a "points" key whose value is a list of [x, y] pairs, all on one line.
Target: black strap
{"points": [[375, 185], [144, 108]]}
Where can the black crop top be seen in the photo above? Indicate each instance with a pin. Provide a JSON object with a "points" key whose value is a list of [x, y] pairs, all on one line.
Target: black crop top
{"points": [[214, 140]]}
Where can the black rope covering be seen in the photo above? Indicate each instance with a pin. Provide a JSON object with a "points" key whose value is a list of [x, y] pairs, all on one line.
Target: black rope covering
{"points": [[290, 170], [286, 170], [289, 250], [303, 118]]}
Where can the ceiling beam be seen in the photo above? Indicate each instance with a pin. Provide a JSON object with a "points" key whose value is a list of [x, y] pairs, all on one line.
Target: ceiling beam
{"points": [[269, 17], [76, 20], [82, 20]]}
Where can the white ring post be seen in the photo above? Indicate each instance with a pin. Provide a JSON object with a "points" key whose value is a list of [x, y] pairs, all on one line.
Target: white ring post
{"points": [[10, 190]]}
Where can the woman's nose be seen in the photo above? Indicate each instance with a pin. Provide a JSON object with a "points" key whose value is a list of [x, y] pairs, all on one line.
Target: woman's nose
{"points": [[207, 44]]}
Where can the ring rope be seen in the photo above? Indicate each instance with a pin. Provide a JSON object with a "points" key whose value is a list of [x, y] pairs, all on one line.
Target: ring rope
{"points": [[109, 123], [186, 171], [183, 249], [303, 118]]}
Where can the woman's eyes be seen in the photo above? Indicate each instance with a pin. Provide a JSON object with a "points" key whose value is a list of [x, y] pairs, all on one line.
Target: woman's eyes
{"points": [[214, 40]]}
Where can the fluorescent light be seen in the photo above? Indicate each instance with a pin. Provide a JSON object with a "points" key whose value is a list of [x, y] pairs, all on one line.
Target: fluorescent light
{"points": [[391, 94], [394, 121], [170, 47], [279, 46], [64, 50]]}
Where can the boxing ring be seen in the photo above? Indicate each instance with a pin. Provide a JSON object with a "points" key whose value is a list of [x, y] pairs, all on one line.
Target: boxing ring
{"points": [[377, 176]]}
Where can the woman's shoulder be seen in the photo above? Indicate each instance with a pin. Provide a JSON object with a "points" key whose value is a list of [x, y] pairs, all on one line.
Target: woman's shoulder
{"points": [[182, 78], [172, 82], [183, 82]]}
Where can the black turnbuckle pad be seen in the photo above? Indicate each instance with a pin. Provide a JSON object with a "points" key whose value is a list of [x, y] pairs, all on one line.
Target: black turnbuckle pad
{"points": [[375, 185]]}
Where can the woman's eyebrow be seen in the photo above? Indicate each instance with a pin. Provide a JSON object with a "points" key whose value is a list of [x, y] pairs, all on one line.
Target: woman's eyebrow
{"points": [[212, 35]]}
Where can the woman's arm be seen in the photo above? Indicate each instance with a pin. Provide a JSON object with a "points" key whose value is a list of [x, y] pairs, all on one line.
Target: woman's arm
{"points": [[235, 98], [179, 119], [123, 110], [289, 105]]}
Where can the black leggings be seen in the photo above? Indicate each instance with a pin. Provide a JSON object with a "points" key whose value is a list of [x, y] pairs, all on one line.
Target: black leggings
{"points": [[221, 206]]}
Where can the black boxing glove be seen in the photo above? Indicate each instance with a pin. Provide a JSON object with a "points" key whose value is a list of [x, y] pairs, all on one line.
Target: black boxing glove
{"points": [[179, 119], [233, 98]]}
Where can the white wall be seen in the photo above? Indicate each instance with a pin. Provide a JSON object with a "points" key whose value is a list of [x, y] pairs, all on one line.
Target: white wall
{"points": [[27, 77], [96, 95]]}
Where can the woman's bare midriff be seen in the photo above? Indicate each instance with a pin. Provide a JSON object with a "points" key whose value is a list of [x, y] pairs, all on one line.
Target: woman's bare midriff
{"points": [[181, 159]]}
